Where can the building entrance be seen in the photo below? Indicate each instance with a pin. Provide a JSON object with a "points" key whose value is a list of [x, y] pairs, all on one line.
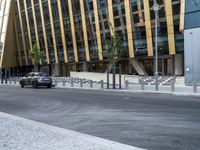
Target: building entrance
{"points": [[165, 66]]}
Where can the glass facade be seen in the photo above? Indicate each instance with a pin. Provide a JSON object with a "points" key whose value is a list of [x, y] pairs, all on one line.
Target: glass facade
{"points": [[192, 11], [138, 14], [67, 30], [139, 30], [91, 30]]}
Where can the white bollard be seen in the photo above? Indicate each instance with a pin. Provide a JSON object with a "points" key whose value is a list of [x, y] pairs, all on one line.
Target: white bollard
{"points": [[126, 84], [172, 86], [195, 87], [91, 84], [72, 83], [102, 86], [81, 83], [64, 82], [142, 85], [15, 80]]}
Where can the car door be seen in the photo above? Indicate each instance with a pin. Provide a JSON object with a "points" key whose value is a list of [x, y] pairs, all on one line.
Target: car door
{"points": [[28, 79], [25, 79]]}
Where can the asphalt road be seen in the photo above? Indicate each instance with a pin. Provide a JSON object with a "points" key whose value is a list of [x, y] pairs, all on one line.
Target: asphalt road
{"points": [[152, 121]]}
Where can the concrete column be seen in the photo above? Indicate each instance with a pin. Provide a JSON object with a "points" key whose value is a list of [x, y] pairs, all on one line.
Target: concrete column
{"points": [[56, 70], [85, 67], [75, 67], [9, 73], [139, 68], [178, 64], [64, 69], [163, 66], [1, 73], [44, 69], [6, 76]]}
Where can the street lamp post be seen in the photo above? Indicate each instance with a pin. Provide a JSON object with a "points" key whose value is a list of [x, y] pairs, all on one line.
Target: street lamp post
{"points": [[156, 9]]}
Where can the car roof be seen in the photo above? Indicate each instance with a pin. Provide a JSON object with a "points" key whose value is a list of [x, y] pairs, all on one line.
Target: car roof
{"points": [[37, 73]]}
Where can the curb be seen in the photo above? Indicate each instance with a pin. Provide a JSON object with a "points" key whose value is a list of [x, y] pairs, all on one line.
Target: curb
{"points": [[134, 91], [119, 90]]}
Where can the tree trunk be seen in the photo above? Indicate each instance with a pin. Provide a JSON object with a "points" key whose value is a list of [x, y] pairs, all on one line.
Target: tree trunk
{"points": [[114, 84], [38, 68], [108, 84], [35, 68]]}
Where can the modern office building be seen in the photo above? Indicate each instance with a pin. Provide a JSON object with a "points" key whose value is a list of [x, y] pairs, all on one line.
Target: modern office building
{"points": [[71, 34], [192, 41]]}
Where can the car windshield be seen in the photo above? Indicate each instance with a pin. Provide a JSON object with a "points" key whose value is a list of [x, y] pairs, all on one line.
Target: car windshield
{"points": [[41, 74]]}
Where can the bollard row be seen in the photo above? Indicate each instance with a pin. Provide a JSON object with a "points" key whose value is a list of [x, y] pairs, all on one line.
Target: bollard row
{"points": [[81, 82], [72, 81], [10, 81], [172, 85]]}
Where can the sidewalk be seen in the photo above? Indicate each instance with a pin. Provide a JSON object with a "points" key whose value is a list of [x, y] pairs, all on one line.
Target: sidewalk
{"points": [[180, 90], [22, 134], [136, 88], [139, 91]]}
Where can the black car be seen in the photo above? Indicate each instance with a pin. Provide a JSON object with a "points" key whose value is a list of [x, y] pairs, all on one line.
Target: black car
{"points": [[36, 79]]}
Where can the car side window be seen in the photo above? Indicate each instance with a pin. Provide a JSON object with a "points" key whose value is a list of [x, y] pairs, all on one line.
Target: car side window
{"points": [[28, 75], [33, 74]]}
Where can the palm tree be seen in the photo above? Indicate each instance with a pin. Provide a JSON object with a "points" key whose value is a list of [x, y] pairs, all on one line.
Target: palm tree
{"points": [[36, 55], [113, 52]]}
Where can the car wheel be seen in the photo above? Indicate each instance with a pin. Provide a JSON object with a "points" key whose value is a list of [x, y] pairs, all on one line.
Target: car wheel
{"points": [[34, 84], [49, 86], [22, 84]]}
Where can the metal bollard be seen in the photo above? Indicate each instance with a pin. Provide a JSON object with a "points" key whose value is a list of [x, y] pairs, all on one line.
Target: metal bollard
{"points": [[142, 85], [126, 84], [64, 82], [172, 86], [81, 83], [102, 84], [6, 79], [195, 87], [72, 83], [91, 84], [10, 80], [56, 82], [15, 80]]}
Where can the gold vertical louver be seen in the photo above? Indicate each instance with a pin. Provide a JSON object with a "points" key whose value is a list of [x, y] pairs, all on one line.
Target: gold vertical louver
{"points": [[170, 26], [17, 42], [73, 30], [62, 31], [87, 52], [98, 33], [53, 32], [148, 28], [22, 32], [111, 17], [3, 7], [129, 28], [28, 28], [44, 32], [182, 15], [35, 25]]}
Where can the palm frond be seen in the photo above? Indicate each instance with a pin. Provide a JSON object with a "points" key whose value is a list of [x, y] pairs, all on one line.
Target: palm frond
{"points": [[36, 54]]}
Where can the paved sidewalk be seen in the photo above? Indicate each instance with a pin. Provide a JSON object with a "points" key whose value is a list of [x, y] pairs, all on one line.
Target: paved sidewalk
{"points": [[22, 134], [133, 88]]}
